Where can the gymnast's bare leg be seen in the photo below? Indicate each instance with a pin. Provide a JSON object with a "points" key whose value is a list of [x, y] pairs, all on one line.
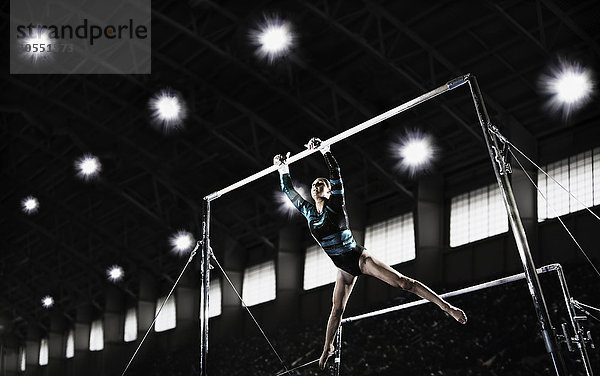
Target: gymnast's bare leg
{"points": [[371, 266], [343, 287]]}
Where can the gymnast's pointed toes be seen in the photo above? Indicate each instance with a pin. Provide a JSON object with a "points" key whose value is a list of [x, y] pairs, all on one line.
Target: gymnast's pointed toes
{"points": [[458, 314]]}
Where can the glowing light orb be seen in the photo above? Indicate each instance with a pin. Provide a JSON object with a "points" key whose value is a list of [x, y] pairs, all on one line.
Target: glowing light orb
{"points": [[569, 85], [286, 207], [168, 110], [274, 38], [88, 166], [416, 152], [182, 242], [38, 46], [30, 205], [47, 301], [115, 273]]}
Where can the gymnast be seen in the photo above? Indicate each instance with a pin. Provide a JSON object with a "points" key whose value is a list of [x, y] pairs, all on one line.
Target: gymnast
{"points": [[328, 223]]}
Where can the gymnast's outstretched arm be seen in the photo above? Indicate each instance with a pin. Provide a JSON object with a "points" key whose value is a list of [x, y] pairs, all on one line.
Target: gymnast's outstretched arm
{"points": [[288, 187]]}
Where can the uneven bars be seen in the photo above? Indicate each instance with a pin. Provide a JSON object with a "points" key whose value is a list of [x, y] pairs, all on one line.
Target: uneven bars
{"points": [[481, 286], [347, 133]]}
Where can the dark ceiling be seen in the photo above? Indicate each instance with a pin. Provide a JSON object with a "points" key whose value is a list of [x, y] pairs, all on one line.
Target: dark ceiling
{"points": [[352, 61]]}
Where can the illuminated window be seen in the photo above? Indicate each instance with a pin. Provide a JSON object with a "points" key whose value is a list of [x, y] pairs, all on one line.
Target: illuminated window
{"points": [[580, 174], [131, 325], [97, 335], [318, 268], [43, 358], [22, 358], [214, 302], [596, 172], [392, 241], [168, 316], [477, 215], [70, 346], [259, 283]]}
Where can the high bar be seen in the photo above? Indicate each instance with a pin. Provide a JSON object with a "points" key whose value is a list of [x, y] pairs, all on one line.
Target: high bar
{"points": [[481, 286], [452, 84]]}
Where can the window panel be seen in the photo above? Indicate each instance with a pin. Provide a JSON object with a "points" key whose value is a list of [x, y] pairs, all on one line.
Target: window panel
{"points": [[319, 270], [43, 358], [131, 325], [214, 301], [70, 345], [498, 219], [477, 215], [580, 174], [541, 196], [558, 199], [392, 241], [96, 336], [580, 181], [168, 316], [259, 283], [596, 176], [459, 220], [22, 358]]}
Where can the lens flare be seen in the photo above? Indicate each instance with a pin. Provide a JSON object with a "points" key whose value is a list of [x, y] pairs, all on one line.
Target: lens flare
{"points": [[115, 273], [286, 207], [416, 152], [47, 301], [38, 46], [88, 166], [182, 242], [30, 205], [273, 37], [569, 86], [168, 111]]}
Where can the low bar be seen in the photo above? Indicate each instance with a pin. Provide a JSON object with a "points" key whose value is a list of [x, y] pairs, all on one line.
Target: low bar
{"points": [[481, 286], [450, 85]]}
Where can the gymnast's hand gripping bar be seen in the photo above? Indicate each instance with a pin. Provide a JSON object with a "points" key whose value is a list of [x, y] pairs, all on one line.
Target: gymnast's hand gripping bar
{"points": [[347, 133]]}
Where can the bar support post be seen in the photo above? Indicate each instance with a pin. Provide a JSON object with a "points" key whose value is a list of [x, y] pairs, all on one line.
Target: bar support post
{"points": [[577, 329], [502, 171], [337, 356], [205, 287]]}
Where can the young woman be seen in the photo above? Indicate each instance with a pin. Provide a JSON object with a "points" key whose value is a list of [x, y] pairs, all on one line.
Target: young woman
{"points": [[328, 223]]}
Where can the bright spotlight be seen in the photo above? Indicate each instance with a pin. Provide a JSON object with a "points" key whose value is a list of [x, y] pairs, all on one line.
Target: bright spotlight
{"points": [[182, 242], [274, 38], [168, 110], [88, 166], [47, 301], [115, 273], [569, 86], [416, 152], [286, 207], [38, 46], [30, 205]]}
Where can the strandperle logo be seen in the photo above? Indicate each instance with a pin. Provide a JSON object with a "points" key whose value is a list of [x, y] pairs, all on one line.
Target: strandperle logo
{"points": [[86, 31], [80, 37]]}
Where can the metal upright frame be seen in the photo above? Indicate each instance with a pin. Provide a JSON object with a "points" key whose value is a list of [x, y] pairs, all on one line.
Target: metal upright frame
{"points": [[205, 289], [501, 169]]}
